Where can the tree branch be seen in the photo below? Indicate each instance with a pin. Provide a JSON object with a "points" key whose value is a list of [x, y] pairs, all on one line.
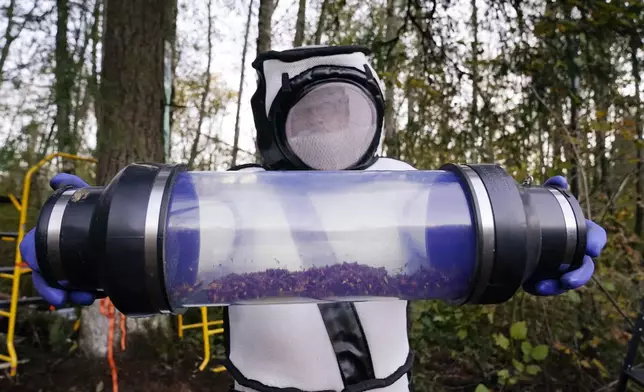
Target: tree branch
{"points": [[206, 92], [573, 145], [241, 85]]}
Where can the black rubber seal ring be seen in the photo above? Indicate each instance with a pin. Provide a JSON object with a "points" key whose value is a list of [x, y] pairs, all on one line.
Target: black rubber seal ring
{"points": [[41, 235], [480, 267], [582, 229], [163, 217], [510, 230]]}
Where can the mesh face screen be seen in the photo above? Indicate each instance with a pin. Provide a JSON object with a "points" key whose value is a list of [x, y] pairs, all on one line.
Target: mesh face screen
{"points": [[332, 126]]}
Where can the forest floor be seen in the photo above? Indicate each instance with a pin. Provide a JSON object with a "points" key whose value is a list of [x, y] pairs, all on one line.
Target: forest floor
{"points": [[55, 366], [136, 373], [48, 342], [142, 368]]}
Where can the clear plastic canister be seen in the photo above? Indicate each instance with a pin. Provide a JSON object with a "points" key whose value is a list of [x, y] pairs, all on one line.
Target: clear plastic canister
{"points": [[281, 237]]}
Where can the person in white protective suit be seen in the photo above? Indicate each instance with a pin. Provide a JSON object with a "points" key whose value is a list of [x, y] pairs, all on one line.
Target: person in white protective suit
{"points": [[319, 108]]}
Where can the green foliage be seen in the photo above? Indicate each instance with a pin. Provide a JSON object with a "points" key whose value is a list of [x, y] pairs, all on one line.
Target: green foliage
{"points": [[59, 333], [481, 388], [540, 352], [501, 341], [555, 94], [533, 370], [551, 340], [518, 330]]}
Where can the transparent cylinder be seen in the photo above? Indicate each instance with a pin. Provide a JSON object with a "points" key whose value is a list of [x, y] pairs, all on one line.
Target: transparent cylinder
{"points": [[281, 237]]}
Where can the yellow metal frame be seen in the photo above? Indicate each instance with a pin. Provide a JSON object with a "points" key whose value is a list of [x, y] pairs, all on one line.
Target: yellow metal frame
{"points": [[206, 332], [22, 207]]}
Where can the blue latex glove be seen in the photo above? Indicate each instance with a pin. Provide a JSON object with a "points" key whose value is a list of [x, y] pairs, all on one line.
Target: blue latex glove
{"points": [[50, 294], [595, 242]]}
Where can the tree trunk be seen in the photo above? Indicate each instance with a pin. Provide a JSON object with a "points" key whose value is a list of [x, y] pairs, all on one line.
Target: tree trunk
{"points": [[194, 150], [635, 71], [474, 109], [64, 82], [92, 83], [131, 116], [602, 108], [264, 32], [132, 83], [391, 141], [321, 22], [8, 37], [13, 29], [264, 25], [573, 78], [81, 93], [169, 69], [300, 24], [241, 85], [410, 148]]}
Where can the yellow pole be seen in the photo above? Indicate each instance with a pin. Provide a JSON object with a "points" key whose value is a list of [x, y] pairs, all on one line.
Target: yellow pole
{"points": [[180, 322], [219, 369], [14, 201], [13, 308], [206, 338]]}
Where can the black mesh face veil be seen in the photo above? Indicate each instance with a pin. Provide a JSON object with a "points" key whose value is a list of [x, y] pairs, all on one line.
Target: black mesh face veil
{"points": [[332, 126], [317, 108]]}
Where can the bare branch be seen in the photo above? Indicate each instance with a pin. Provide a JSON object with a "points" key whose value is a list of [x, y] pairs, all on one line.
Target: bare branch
{"points": [[614, 197], [206, 92], [216, 139], [321, 20], [241, 84], [9, 38], [584, 176]]}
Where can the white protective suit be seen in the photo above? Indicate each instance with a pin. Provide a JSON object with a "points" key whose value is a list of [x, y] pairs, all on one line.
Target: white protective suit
{"points": [[317, 108]]}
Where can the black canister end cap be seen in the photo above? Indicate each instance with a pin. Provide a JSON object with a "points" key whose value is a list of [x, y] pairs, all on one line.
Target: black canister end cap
{"points": [[501, 225], [65, 257], [129, 232]]}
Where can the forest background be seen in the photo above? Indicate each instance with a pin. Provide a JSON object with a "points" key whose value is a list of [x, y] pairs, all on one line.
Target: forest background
{"points": [[540, 87]]}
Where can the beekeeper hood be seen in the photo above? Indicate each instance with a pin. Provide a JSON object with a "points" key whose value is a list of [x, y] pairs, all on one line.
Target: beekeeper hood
{"points": [[317, 108]]}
